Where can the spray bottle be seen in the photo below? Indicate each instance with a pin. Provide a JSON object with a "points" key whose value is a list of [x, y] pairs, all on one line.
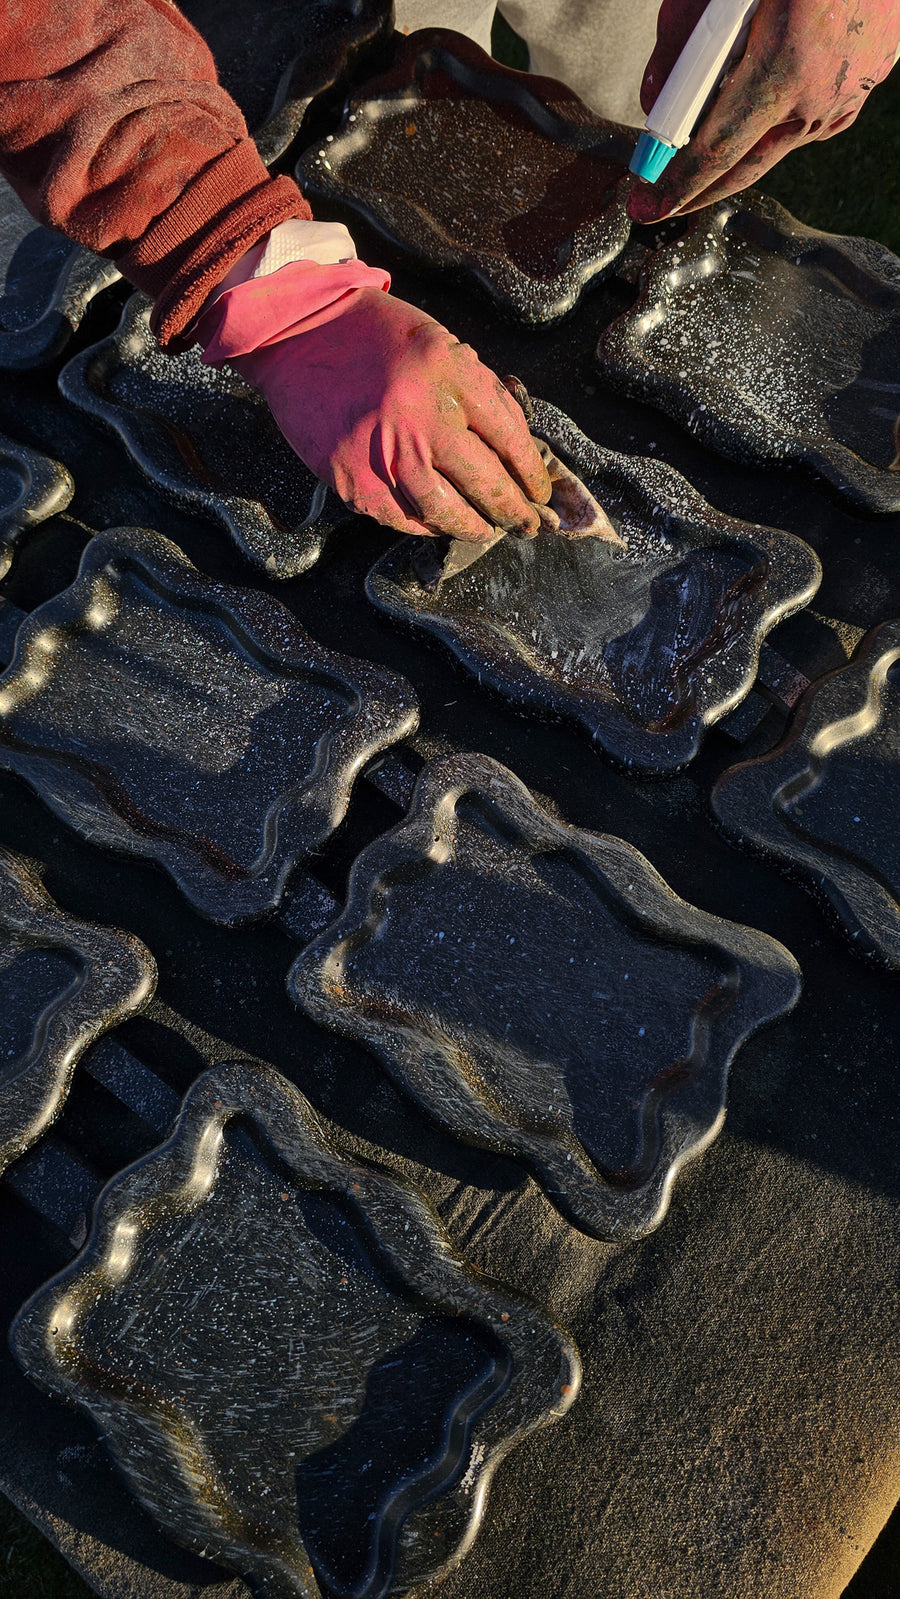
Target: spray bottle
{"points": [[718, 40]]}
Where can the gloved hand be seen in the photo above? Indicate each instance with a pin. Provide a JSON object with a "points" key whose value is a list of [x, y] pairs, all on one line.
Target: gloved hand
{"points": [[806, 71], [380, 401]]}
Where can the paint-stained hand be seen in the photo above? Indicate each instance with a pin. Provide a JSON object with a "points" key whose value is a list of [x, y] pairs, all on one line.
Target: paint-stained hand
{"points": [[385, 405], [806, 71]]}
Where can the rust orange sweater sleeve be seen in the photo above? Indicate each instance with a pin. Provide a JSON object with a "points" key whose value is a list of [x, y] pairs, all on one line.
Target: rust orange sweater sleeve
{"points": [[115, 131]]}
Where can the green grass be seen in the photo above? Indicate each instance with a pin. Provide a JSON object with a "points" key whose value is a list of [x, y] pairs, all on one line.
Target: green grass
{"points": [[506, 45], [850, 184]]}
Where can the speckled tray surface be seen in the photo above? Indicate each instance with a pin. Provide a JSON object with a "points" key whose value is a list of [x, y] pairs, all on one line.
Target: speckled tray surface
{"points": [[62, 983], [46, 285], [540, 990], [505, 178], [772, 342], [32, 487], [208, 440], [196, 723], [824, 802], [644, 645], [294, 1373]]}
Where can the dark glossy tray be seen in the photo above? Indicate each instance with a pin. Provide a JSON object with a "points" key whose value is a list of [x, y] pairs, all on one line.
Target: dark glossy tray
{"points": [[32, 488], [163, 714], [645, 645], [275, 57], [504, 178], [772, 342], [824, 802], [292, 1370], [540, 990], [339, 42], [208, 440], [62, 984], [46, 285]]}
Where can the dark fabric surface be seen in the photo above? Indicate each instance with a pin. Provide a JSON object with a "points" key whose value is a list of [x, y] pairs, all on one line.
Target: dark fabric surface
{"points": [[737, 1432]]}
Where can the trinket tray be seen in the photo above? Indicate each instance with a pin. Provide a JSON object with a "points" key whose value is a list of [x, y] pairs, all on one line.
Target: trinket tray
{"points": [[645, 644], [208, 441], [46, 285], [505, 179], [540, 991], [770, 341], [823, 803], [63, 983], [293, 1372], [32, 488], [163, 714]]}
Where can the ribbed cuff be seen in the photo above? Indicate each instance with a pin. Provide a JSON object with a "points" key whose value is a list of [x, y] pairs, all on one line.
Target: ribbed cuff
{"points": [[189, 249]]}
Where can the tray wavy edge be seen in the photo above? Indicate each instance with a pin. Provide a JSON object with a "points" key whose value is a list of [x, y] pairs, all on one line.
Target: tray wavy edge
{"points": [[116, 979], [746, 796], [855, 481], [82, 277], [656, 483], [562, 1166], [388, 713], [47, 488], [284, 121], [177, 1175]]}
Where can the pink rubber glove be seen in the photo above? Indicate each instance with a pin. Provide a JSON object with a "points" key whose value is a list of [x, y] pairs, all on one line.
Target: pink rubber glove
{"points": [[381, 401], [806, 71]]}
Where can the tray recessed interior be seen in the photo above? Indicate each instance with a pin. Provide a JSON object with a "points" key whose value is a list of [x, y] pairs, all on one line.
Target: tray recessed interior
{"points": [[645, 643], [771, 341], [530, 206]]}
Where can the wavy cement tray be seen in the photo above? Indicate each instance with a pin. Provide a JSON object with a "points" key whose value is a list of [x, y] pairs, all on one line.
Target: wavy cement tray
{"points": [[645, 646], [273, 59], [208, 440], [823, 803], [531, 205], [46, 285], [540, 991], [294, 1373], [772, 342], [32, 488], [164, 714], [339, 42], [62, 984]]}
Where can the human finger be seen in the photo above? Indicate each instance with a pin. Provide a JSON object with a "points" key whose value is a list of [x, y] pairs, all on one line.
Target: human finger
{"points": [[481, 478], [392, 508], [766, 153], [749, 105], [439, 507], [500, 422]]}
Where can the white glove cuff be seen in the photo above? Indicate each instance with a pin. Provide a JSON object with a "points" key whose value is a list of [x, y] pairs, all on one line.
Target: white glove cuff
{"points": [[324, 242]]}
